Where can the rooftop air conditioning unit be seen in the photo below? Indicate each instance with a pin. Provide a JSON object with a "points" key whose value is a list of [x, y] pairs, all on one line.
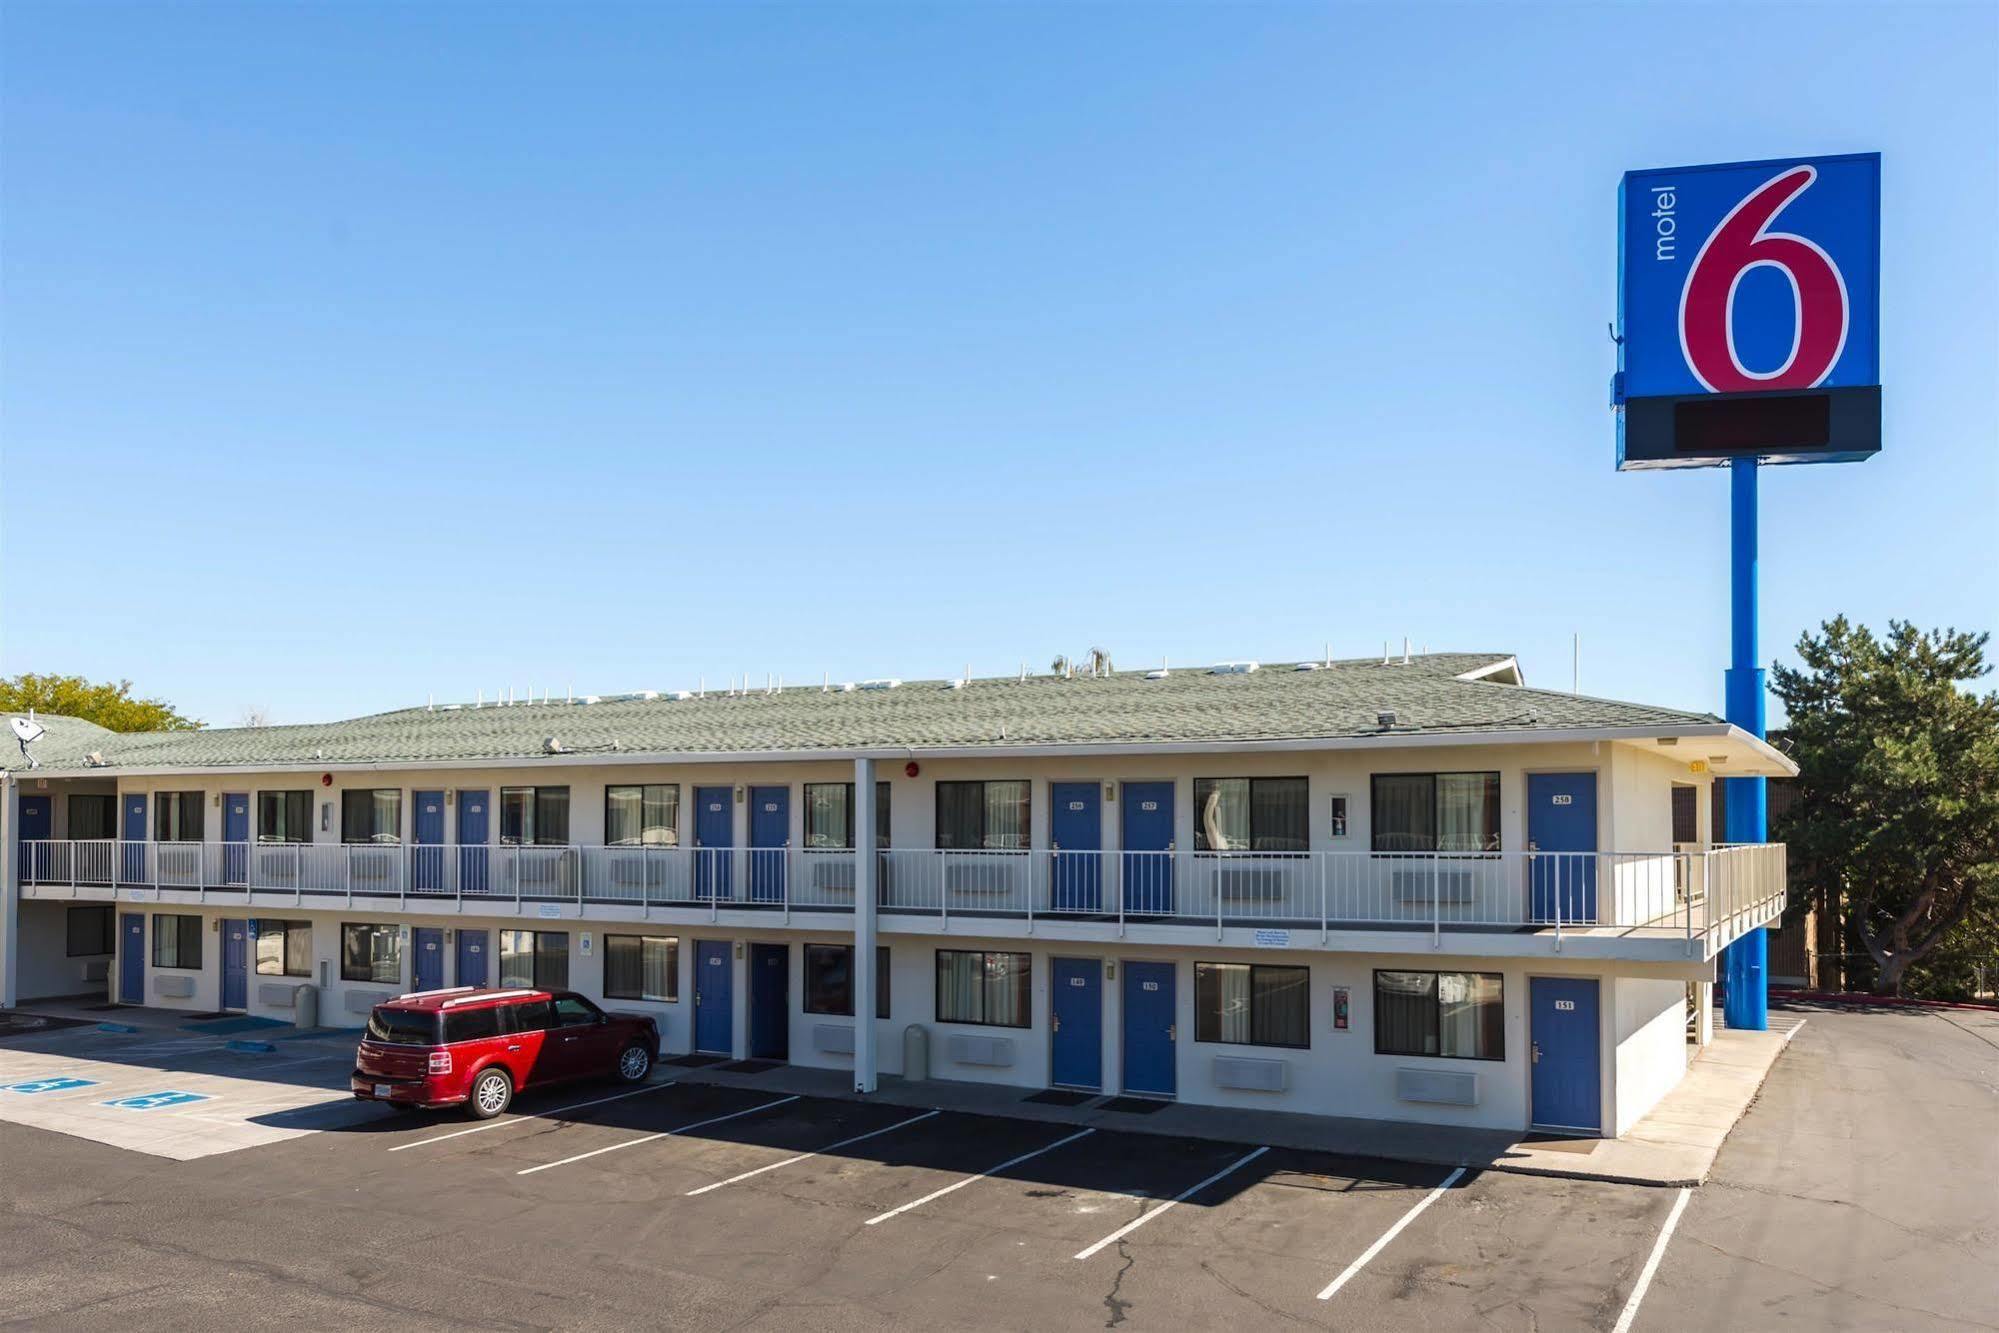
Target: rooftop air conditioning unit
{"points": [[1234, 668], [878, 684]]}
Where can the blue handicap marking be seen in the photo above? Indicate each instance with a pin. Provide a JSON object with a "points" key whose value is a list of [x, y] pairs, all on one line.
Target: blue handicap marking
{"points": [[153, 1101], [35, 1085]]}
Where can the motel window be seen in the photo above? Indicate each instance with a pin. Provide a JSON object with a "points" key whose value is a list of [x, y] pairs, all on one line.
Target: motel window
{"points": [[284, 816], [642, 816], [177, 816], [93, 817], [1686, 815], [829, 816], [1435, 812], [284, 948], [1250, 1004], [982, 816], [177, 941], [1461, 1015], [1250, 815], [538, 958], [371, 952], [829, 979], [641, 967], [993, 989], [537, 816], [371, 816], [91, 931]]}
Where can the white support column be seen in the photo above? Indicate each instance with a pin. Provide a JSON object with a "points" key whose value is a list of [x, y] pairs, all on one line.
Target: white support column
{"points": [[865, 859], [10, 894]]}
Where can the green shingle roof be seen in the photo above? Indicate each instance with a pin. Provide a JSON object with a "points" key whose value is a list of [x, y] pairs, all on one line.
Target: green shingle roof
{"points": [[1277, 702]]}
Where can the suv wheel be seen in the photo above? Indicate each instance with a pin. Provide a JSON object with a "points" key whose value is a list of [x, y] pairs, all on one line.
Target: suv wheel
{"points": [[491, 1092], [634, 1063]]}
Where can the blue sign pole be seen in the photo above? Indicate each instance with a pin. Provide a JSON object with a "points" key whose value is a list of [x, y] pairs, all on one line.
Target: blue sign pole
{"points": [[1744, 963]]}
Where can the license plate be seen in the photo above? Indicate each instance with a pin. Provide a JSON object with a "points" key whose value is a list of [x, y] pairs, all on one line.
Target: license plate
{"points": [[381, 1089]]}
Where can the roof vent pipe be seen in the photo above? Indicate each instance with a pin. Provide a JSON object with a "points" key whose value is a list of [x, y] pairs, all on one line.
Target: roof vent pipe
{"points": [[1405, 650], [1386, 717]]}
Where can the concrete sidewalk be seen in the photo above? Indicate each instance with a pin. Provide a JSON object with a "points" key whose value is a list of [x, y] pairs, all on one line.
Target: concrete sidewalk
{"points": [[1675, 1145]]}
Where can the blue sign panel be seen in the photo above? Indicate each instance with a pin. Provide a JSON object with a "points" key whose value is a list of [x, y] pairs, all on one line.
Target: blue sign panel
{"points": [[39, 1085], [154, 1101], [1751, 278]]}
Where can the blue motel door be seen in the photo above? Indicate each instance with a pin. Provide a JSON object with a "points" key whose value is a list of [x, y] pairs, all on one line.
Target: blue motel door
{"points": [[474, 822], [37, 825], [714, 840], [132, 869], [1150, 1015], [1076, 833], [770, 836], [235, 839], [471, 958], [428, 943], [235, 964], [1147, 827], [1561, 837], [714, 997], [427, 830], [1566, 1054], [1078, 1008], [132, 958], [770, 1002]]}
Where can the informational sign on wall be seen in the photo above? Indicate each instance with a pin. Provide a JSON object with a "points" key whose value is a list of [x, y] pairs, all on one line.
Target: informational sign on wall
{"points": [[1749, 313], [1342, 1008]]}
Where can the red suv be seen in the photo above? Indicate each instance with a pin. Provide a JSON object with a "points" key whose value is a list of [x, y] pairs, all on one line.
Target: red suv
{"points": [[474, 1047]]}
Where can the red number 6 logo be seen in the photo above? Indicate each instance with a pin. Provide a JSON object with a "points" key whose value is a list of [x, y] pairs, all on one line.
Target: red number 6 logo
{"points": [[1741, 243]]}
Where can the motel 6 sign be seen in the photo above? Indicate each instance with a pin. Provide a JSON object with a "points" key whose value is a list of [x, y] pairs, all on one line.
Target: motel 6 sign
{"points": [[1749, 313]]}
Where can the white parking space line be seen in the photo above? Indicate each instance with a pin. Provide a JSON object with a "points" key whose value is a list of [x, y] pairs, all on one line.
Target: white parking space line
{"points": [[653, 1138], [1187, 1193], [1651, 1264], [526, 1119], [876, 1133], [991, 1170], [1390, 1235]]}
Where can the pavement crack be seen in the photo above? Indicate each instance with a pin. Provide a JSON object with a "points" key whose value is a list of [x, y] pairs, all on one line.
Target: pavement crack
{"points": [[1825, 1287], [1114, 1302]]}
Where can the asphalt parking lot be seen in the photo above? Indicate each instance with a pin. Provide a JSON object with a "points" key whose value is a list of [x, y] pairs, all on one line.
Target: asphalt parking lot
{"points": [[685, 1203]]}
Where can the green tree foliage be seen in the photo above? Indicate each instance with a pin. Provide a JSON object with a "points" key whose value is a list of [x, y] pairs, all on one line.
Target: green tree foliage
{"points": [[109, 706], [1898, 800]]}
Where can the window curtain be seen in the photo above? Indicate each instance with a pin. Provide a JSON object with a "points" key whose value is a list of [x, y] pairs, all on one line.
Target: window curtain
{"points": [[551, 816], [1471, 1020], [1404, 814], [960, 811], [1405, 1013], [1467, 812], [1278, 815], [551, 959], [662, 816], [517, 958], [1006, 816], [1221, 814], [829, 814], [829, 979], [624, 816], [958, 978], [1280, 1005], [1222, 991], [92, 817]]}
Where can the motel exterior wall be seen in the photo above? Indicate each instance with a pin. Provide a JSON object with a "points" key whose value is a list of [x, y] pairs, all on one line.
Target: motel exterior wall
{"points": [[1641, 1000]]}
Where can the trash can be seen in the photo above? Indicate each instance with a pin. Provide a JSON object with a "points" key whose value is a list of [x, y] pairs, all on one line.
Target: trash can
{"points": [[305, 1007], [915, 1052]]}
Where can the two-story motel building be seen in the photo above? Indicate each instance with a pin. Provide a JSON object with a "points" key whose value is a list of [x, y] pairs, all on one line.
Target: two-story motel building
{"points": [[1408, 889]]}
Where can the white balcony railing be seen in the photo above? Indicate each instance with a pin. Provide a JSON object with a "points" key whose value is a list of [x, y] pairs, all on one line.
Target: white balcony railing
{"points": [[1712, 895]]}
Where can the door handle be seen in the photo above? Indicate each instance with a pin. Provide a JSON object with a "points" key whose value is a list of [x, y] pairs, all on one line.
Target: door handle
{"points": [[1537, 1052], [1172, 1032], [514, 1047], [1055, 1023]]}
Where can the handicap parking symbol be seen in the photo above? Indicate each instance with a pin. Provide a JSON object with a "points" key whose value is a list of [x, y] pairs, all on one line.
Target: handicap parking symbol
{"points": [[35, 1085], [153, 1101]]}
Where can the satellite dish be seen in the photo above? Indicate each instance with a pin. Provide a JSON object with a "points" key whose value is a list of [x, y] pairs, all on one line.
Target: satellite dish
{"points": [[27, 729]]}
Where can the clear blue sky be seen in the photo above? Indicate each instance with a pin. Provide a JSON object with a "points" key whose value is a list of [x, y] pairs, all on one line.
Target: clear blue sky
{"points": [[355, 353]]}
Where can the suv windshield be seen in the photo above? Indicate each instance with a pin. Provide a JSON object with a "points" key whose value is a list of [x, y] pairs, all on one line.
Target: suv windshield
{"points": [[403, 1027]]}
